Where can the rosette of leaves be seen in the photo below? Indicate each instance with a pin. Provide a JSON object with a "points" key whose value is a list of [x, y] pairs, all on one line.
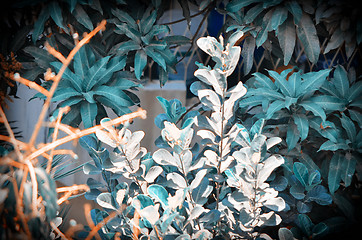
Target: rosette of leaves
{"points": [[287, 19], [145, 41], [61, 13], [292, 101], [305, 188], [89, 85]]}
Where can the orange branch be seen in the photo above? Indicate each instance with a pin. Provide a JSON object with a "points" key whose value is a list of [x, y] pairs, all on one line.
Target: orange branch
{"points": [[31, 84], [55, 53], [140, 113]]}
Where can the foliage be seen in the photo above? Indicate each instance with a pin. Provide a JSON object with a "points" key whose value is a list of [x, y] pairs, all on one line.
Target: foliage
{"points": [[278, 156]]}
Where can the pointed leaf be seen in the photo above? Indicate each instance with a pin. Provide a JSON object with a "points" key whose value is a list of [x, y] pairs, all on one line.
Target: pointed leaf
{"points": [[307, 34], [140, 62], [335, 172], [88, 113], [302, 124]]}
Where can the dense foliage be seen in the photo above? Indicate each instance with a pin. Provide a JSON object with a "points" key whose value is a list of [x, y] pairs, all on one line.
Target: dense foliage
{"points": [[277, 155]]}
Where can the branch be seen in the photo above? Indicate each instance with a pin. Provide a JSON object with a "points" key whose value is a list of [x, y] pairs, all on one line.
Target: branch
{"points": [[125, 118]]}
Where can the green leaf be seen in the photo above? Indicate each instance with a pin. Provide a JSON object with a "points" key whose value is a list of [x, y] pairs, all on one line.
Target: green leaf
{"points": [[302, 124], [56, 14], [88, 112], [292, 136], [39, 24], [82, 17], [335, 172], [307, 34], [236, 5], [64, 93], [140, 62], [159, 193], [114, 94], [301, 173]]}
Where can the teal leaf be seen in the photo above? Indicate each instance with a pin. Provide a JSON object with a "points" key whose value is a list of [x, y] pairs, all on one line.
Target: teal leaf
{"points": [[265, 28], [335, 172], [236, 5], [56, 14], [286, 37], [264, 81], [313, 80], [315, 109], [147, 23], [140, 62], [159, 193], [105, 200], [256, 129], [279, 16], [281, 83], [295, 10], [88, 112], [307, 34], [253, 13], [64, 93], [308, 162], [301, 173], [39, 24], [201, 193], [332, 146], [285, 234], [69, 75], [305, 224], [82, 17], [295, 82], [274, 107], [320, 195], [119, 110], [340, 81], [329, 102], [127, 46], [178, 40], [94, 73], [115, 64], [114, 94], [124, 17], [302, 124], [248, 54], [81, 64], [349, 167], [355, 91], [349, 126], [157, 57], [292, 136]]}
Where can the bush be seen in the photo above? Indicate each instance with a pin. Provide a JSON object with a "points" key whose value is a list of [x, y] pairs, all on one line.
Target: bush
{"points": [[277, 156]]}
